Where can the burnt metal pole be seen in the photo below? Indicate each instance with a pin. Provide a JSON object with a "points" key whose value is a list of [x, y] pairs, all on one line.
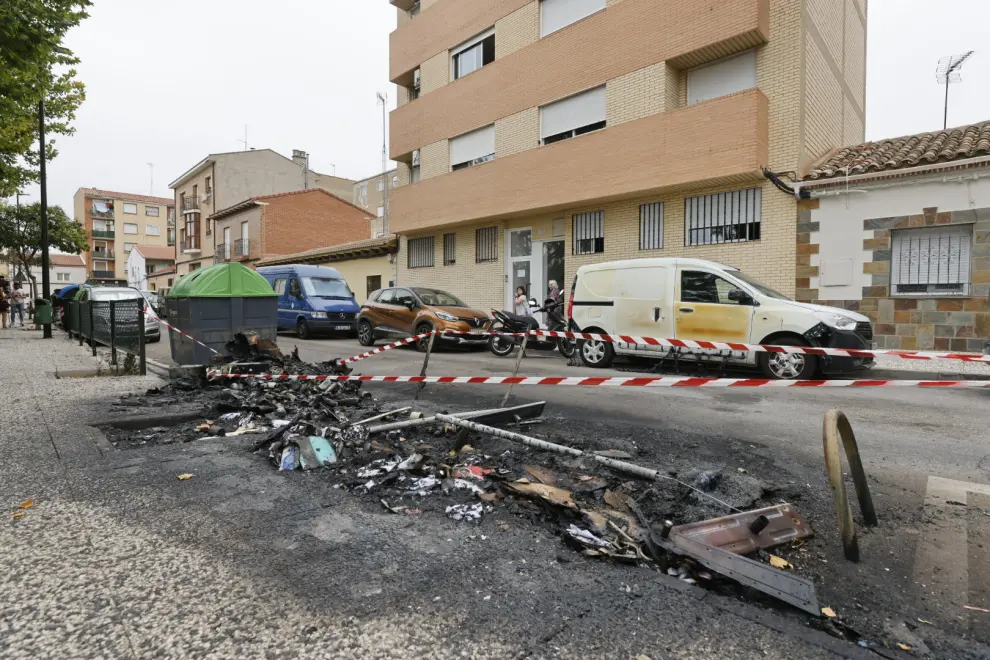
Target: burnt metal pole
{"points": [[45, 283]]}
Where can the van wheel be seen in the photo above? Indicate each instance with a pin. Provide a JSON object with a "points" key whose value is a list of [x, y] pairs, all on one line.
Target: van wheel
{"points": [[596, 354], [302, 329], [788, 366], [365, 333]]}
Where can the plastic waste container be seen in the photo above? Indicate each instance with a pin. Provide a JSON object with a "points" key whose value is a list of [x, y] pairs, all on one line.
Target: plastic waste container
{"points": [[212, 304], [42, 311]]}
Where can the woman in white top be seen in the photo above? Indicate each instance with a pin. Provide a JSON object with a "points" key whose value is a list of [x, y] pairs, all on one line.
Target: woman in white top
{"points": [[522, 304]]}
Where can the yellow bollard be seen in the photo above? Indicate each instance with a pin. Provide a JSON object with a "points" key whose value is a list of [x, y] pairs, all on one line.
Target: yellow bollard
{"points": [[837, 426]]}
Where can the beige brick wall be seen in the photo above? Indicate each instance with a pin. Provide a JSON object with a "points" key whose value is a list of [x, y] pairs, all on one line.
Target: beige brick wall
{"points": [[779, 77], [434, 73], [823, 105], [854, 58], [401, 95], [434, 159], [404, 172], [518, 29], [672, 88], [479, 285], [517, 132], [853, 129], [827, 15], [636, 95]]}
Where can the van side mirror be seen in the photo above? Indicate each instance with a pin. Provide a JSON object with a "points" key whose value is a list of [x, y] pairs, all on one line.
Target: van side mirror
{"points": [[741, 297]]}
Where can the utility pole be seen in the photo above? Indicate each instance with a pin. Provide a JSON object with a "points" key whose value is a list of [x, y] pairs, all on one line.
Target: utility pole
{"points": [[45, 284], [383, 99]]}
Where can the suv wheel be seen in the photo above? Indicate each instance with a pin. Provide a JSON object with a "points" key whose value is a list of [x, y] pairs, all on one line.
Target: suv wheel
{"points": [[365, 333], [422, 329]]}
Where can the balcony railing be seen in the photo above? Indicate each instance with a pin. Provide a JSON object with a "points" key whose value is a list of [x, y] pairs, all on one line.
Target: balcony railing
{"points": [[102, 233], [102, 275], [222, 252], [190, 203], [191, 245], [242, 247], [103, 254], [106, 214]]}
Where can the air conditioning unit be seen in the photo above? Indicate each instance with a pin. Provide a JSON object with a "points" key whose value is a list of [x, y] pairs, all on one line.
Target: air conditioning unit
{"points": [[415, 158]]}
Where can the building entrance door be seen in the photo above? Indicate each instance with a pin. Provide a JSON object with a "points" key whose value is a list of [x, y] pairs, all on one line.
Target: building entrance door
{"points": [[520, 263]]}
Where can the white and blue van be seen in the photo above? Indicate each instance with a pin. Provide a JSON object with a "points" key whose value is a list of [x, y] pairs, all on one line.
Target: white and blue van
{"points": [[312, 300]]}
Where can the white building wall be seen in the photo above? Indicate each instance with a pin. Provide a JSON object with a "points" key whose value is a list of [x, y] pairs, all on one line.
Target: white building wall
{"points": [[841, 216], [135, 268]]}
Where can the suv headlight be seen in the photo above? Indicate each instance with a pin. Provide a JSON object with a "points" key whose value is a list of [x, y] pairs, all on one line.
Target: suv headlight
{"points": [[444, 316], [837, 321], [319, 315]]}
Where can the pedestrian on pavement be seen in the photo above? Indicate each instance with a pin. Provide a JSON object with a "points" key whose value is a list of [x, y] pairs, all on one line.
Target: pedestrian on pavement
{"points": [[522, 305], [18, 298], [4, 306], [554, 291]]}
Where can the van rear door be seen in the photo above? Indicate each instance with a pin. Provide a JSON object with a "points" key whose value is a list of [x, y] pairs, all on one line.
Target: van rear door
{"points": [[703, 311], [280, 284], [644, 305]]}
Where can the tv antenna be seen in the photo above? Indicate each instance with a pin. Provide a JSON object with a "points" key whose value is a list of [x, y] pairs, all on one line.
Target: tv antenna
{"points": [[151, 185], [244, 141], [948, 72]]}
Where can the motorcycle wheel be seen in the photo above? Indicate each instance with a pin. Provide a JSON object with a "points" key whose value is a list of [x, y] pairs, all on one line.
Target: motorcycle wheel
{"points": [[566, 347], [501, 346]]}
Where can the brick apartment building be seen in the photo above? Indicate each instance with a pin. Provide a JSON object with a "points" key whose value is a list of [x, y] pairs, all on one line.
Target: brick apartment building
{"points": [[115, 223], [286, 223], [222, 180], [536, 136]]}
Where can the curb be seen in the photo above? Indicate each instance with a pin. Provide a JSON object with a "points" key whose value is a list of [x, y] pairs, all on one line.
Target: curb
{"points": [[906, 374]]}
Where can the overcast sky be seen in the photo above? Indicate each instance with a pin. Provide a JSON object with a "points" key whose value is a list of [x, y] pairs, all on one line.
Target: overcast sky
{"points": [[170, 82]]}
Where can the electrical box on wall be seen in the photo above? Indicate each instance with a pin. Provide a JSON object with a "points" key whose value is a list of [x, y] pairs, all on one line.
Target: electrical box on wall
{"points": [[836, 272]]}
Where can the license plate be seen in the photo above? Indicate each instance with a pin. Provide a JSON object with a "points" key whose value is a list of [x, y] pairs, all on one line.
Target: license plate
{"points": [[475, 331], [341, 327]]}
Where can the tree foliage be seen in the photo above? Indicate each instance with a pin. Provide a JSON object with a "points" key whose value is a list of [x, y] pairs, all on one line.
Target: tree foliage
{"points": [[34, 65], [20, 235]]}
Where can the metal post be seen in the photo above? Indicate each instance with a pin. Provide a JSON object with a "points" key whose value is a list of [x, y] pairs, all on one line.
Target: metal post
{"points": [[945, 120], [515, 372], [92, 332], [79, 312], [142, 358], [46, 291], [113, 333], [426, 362]]}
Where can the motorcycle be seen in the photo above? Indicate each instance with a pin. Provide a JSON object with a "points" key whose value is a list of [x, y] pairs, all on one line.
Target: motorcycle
{"points": [[504, 321]]}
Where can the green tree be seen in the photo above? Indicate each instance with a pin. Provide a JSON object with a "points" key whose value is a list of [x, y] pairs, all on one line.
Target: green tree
{"points": [[34, 65], [20, 236]]}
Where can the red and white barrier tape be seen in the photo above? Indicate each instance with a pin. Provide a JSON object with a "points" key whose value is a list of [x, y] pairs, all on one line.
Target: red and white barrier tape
{"points": [[191, 338], [382, 349], [576, 381], [733, 346]]}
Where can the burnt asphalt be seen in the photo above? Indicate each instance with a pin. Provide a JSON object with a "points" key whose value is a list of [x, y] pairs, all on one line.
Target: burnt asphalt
{"points": [[118, 558]]}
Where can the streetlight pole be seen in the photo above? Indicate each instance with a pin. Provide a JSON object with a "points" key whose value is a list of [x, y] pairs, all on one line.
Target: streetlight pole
{"points": [[45, 284]]}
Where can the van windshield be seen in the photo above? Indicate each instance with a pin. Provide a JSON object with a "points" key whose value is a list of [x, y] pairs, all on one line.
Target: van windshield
{"points": [[758, 285], [323, 287]]}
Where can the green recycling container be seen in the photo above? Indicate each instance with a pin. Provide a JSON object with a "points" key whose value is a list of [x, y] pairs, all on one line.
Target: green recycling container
{"points": [[215, 303], [42, 312]]}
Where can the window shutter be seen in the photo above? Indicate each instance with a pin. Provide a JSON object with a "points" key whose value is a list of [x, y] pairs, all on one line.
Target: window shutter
{"points": [[931, 260], [727, 76], [574, 112], [556, 14], [471, 146]]}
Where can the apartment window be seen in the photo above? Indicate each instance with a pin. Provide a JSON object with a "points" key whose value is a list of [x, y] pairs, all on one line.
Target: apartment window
{"points": [[575, 115], [729, 217], [651, 226], [449, 249], [130, 209], [557, 14], [194, 267], [473, 54], [932, 260], [589, 232], [486, 245], [209, 185], [62, 277], [130, 228], [128, 247], [151, 211], [416, 86], [153, 230], [362, 195], [726, 76], [395, 181], [149, 270], [472, 148], [170, 282], [421, 252], [415, 175], [381, 186], [381, 211]]}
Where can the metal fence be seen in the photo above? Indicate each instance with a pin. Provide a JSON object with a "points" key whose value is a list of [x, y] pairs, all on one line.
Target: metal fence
{"points": [[118, 324]]}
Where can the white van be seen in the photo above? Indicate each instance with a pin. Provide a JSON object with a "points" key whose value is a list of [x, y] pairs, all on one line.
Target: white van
{"points": [[708, 301]]}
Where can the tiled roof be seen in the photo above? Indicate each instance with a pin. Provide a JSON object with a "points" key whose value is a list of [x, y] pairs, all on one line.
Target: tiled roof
{"points": [[252, 201], [383, 244], [145, 199], [157, 252], [65, 260], [164, 271], [908, 151]]}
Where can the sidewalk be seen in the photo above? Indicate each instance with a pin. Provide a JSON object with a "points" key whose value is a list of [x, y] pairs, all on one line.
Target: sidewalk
{"points": [[118, 559]]}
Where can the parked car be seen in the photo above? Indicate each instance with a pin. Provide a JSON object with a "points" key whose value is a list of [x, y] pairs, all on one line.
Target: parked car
{"points": [[703, 300], [86, 293], [400, 312], [156, 301], [312, 300]]}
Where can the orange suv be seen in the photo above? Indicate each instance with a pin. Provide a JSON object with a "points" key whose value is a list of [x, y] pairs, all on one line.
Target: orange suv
{"points": [[401, 312]]}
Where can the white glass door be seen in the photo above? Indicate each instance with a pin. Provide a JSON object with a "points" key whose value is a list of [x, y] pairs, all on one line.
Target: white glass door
{"points": [[519, 259]]}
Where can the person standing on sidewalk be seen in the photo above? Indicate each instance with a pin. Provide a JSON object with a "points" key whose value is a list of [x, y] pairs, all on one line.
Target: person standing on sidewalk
{"points": [[4, 304], [19, 297]]}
